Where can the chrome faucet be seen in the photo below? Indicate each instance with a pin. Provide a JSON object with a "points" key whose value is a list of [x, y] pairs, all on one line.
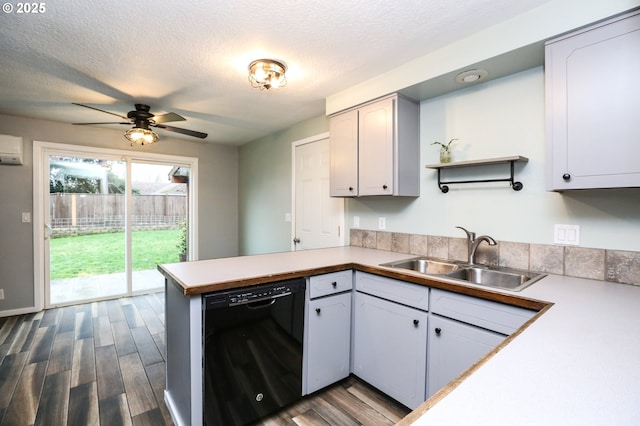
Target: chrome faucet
{"points": [[473, 243]]}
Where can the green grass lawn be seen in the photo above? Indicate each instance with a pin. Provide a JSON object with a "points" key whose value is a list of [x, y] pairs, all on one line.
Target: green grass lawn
{"points": [[98, 254]]}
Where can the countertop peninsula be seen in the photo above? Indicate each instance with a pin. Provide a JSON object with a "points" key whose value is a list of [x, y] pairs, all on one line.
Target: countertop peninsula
{"points": [[577, 363]]}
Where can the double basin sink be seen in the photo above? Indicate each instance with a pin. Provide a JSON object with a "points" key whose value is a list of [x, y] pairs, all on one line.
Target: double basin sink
{"points": [[499, 277]]}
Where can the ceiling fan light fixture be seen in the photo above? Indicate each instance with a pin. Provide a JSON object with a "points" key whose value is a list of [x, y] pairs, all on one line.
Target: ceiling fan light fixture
{"points": [[141, 136], [265, 74]]}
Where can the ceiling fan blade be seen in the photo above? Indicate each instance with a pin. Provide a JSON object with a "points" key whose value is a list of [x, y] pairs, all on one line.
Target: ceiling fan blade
{"points": [[165, 118], [91, 124], [101, 110], [183, 131]]}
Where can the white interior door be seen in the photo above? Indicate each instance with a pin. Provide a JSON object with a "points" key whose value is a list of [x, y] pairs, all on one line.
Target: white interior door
{"points": [[318, 219]]}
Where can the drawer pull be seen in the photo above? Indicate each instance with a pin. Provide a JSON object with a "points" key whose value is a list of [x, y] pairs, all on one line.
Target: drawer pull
{"points": [[334, 284], [318, 311], [438, 330], [416, 322]]}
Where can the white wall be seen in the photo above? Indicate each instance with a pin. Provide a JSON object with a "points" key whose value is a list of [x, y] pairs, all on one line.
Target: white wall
{"points": [[217, 197], [501, 118]]}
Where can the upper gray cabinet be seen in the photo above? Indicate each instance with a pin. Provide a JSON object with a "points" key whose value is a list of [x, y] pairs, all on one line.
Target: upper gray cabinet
{"points": [[375, 149], [592, 106]]}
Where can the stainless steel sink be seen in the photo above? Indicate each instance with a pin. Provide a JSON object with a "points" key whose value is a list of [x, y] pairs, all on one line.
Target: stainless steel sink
{"points": [[425, 265], [500, 278]]}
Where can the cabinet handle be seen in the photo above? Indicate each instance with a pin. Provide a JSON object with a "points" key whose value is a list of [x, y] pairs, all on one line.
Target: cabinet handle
{"points": [[566, 177], [438, 330], [318, 311], [334, 284], [416, 322], [384, 187], [351, 188]]}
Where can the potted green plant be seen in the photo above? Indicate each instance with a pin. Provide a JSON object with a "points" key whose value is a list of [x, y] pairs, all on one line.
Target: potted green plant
{"points": [[182, 243], [445, 150]]}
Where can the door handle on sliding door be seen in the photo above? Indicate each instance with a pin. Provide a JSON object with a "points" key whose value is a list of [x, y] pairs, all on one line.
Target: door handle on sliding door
{"points": [[47, 231]]}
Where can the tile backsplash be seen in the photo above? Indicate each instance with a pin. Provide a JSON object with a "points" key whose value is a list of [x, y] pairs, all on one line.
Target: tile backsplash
{"points": [[600, 264]]}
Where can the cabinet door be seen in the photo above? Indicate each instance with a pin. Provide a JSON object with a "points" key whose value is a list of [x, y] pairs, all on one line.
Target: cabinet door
{"points": [[453, 347], [592, 107], [376, 156], [343, 141], [390, 347], [329, 342]]}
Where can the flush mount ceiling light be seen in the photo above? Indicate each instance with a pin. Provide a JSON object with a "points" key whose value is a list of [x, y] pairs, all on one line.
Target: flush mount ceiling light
{"points": [[141, 136], [471, 76], [265, 74]]}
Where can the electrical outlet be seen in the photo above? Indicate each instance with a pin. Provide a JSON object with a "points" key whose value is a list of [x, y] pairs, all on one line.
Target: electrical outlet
{"points": [[566, 234], [287, 217], [1, 293], [382, 223], [356, 221]]}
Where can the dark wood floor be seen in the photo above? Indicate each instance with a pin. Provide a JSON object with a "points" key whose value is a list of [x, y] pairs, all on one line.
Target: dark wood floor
{"points": [[103, 363]]}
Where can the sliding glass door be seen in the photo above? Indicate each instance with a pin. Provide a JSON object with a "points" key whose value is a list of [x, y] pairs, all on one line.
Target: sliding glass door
{"points": [[108, 222], [159, 221]]}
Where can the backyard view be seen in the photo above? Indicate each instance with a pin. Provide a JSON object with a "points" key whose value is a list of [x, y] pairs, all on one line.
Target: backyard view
{"points": [[85, 255], [90, 217]]}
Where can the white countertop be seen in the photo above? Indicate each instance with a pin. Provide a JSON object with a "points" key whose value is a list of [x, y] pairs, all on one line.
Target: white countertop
{"points": [[577, 364]]}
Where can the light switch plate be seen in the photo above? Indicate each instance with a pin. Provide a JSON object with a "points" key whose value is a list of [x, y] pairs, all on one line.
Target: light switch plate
{"points": [[26, 217], [356, 221], [1, 294], [566, 234]]}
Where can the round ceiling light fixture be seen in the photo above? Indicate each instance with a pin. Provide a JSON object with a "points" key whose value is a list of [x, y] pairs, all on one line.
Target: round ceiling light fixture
{"points": [[471, 76], [265, 74]]}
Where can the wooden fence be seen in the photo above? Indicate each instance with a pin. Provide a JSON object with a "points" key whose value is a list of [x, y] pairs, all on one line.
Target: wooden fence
{"points": [[107, 210]]}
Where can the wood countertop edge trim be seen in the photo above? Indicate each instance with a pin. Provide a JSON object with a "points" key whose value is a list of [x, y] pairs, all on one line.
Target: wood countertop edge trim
{"points": [[261, 279], [426, 280], [448, 388]]}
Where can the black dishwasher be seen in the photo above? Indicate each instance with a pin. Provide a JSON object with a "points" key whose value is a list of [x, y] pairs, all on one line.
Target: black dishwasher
{"points": [[252, 351]]}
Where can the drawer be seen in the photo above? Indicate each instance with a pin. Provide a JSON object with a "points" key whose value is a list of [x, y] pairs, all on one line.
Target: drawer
{"points": [[487, 314], [413, 295], [335, 282]]}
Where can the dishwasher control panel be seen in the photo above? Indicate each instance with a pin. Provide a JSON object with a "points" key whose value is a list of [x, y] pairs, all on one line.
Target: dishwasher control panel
{"points": [[247, 295]]}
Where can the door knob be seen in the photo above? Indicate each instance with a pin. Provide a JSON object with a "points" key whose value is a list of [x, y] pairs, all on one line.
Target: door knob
{"points": [[318, 311], [438, 330], [416, 322]]}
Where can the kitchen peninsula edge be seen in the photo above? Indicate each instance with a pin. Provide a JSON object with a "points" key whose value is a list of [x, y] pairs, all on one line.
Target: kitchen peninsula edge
{"points": [[573, 363]]}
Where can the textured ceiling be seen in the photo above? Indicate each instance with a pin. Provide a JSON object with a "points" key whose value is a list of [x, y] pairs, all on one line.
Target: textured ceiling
{"points": [[191, 57]]}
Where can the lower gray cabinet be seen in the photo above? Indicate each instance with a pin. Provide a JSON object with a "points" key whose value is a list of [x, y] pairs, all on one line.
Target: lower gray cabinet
{"points": [[390, 348], [453, 347], [327, 337], [462, 329], [329, 342]]}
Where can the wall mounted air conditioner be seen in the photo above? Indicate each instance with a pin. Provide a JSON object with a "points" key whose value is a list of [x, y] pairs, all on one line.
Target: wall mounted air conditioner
{"points": [[10, 149]]}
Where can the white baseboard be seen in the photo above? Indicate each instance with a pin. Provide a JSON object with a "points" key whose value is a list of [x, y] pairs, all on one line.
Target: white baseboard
{"points": [[21, 311]]}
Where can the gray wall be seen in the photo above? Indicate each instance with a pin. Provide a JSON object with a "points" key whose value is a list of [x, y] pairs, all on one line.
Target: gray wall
{"points": [[217, 197], [265, 188]]}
